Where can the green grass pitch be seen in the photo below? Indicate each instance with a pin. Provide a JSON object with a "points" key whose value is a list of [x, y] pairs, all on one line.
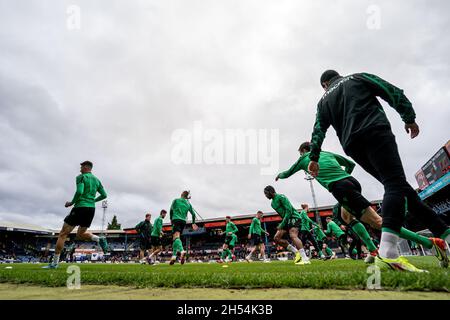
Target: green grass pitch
{"points": [[332, 274]]}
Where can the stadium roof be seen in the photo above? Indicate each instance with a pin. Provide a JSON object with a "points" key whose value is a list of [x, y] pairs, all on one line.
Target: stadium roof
{"points": [[208, 223], [24, 227]]}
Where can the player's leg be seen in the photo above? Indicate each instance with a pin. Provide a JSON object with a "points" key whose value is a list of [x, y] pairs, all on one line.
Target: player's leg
{"points": [[248, 257], [62, 236], [382, 160], [230, 253], [254, 245], [278, 238], [84, 235], [320, 253], [354, 205], [262, 251], [157, 248], [300, 257], [86, 215], [343, 244], [177, 246], [372, 218], [416, 207], [314, 242], [224, 252], [360, 230]]}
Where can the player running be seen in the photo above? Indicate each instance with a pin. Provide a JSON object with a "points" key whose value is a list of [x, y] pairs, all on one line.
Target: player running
{"points": [[255, 235], [178, 215], [82, 213], [230, 240], [319, 236], [144, 230], [291, 222], [341, 238], [305, 230], [347, 190], [156, 236], [350, 105]]}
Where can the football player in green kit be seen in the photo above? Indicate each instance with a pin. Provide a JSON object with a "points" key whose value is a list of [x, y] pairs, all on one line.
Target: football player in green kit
{"points": [[156, 237], [255, 234], [230, 240], [290, 223], [178, 216], [355, 207], [82, 213], [305, 230]]}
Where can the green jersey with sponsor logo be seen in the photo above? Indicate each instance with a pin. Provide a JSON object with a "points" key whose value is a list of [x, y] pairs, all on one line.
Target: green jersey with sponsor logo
{"points": [[282, 205], [231, 227], [330, 165], [157, 227], [255, 227], [87, 187], [180, 208]]}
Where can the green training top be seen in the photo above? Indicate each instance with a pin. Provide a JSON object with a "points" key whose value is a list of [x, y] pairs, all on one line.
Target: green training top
{"points": [[255, 227], [157, 227], [144, 228], [318, 232], [333, 228], [284, 208], [351, 107], [87, 187], [306, 221], [330, 168], [180, 208], [231, 227]]}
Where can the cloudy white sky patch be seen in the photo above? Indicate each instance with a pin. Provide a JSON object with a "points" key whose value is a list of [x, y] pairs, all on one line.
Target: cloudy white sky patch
{"points": [[115, 90]]}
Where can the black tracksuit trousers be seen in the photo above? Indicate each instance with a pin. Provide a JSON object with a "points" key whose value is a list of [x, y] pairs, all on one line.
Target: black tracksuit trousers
{"points": [[376, 152]]}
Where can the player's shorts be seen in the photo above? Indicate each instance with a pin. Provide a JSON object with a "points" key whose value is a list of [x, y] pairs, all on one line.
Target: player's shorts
{"points": [[293, 223], [80, 216], [145, 243], [228, 239], [178, 226], [348, 192], [156, 241], [256, 239]]}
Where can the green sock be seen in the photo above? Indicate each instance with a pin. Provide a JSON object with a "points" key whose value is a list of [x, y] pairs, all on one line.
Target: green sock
{"points": [[412, 236], [445, 234], [177, 246], [362, 233], [230, 254]]}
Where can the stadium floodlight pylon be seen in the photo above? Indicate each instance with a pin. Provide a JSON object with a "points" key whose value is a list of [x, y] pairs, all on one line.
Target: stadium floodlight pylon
{"points": [[104, 206], [310, 178]]}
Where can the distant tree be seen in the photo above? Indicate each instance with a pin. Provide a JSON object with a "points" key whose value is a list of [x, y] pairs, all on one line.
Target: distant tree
{"points": [[114, 225]]}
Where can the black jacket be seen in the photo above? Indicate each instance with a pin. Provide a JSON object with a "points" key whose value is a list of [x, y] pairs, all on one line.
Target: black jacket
{"points": [[351, 107]]}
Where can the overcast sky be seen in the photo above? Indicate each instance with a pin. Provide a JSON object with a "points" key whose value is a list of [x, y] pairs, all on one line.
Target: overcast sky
{"points": [[115, 90]]}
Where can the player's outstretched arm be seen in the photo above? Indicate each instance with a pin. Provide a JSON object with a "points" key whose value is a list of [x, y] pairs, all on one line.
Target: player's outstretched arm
{"points": [[293, 169], [395, 98], [319, 131], [102, 193]]}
